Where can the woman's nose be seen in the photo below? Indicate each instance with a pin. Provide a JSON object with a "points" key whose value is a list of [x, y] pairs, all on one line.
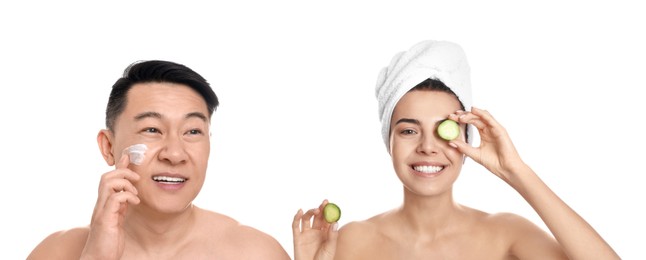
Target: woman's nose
{"points": [[428, 145]]}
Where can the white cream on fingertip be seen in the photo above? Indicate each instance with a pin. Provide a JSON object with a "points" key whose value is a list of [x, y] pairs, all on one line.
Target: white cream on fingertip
{"points": [[137, 153]]}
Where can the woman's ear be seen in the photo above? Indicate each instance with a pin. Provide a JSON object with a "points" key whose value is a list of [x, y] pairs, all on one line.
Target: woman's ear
{"points": [[105, 139]]}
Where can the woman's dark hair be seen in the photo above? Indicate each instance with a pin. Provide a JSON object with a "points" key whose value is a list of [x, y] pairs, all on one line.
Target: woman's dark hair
{"points": [[156, 71]]}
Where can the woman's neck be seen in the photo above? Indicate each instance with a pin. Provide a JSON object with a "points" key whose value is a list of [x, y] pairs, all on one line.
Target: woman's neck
{"points": [[429, 215]]}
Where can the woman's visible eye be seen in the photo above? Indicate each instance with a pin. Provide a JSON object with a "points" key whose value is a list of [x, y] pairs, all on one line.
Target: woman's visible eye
{"points": [[408, 132]]}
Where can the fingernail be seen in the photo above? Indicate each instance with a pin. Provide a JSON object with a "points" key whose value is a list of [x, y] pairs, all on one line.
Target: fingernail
{"points": [[335, 226], [453, 145]]}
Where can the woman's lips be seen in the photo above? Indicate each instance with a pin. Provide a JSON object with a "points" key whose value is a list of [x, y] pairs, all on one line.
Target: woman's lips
{"points": [[427, 170]]}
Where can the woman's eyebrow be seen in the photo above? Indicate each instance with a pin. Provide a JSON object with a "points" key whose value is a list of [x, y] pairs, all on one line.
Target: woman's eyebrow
{"points": [[408, 120], [415, 121]]}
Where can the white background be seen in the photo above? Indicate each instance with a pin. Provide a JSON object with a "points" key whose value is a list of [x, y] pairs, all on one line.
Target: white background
{"points": [[298, 120]]}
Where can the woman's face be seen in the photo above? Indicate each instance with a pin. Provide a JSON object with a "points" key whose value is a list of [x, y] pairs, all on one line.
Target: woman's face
{"points": [[423, 161]]}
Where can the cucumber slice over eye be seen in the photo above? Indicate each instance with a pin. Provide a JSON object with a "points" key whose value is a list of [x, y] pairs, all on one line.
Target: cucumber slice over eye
{"points": [[448, 130], [331, 212]]}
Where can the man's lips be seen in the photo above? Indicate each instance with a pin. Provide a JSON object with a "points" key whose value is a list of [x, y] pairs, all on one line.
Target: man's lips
{"points": [[169, 178]]}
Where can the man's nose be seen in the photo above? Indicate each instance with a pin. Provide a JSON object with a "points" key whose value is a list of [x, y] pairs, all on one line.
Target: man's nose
{"points": [[173, 150]]}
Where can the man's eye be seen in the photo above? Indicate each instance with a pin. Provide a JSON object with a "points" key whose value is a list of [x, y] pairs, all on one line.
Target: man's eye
{"points": [[151, 130], [195, 132]]}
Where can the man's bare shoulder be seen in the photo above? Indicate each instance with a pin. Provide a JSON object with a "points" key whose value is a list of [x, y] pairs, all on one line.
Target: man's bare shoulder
{"points": [[242, 241], [66, 244]]}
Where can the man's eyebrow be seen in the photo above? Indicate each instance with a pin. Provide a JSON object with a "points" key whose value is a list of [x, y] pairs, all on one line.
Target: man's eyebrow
{"points": [[144, 115], [198, 115], [159, 116], [408, 120]]}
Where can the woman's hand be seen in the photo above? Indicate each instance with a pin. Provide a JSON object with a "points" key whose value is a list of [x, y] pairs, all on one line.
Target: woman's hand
{"points": [[314, 238], [496, 151]]}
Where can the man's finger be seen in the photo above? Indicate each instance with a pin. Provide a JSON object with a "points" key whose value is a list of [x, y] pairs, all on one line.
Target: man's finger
{"points": [[124, 161]]}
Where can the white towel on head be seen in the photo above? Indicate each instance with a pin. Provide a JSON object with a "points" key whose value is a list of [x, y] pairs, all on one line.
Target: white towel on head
{"points": [[441, 60]]}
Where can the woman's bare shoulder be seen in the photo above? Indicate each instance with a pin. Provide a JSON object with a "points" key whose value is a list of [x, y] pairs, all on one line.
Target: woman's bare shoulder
{"points": [[494, 220], [360, 227], [504, 225], [525, 238], [510, 222], [65, 244], [357, 239], [370, 226]]}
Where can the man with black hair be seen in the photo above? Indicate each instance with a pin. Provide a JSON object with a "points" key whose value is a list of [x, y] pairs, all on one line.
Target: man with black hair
{"points": [[145, 205]]}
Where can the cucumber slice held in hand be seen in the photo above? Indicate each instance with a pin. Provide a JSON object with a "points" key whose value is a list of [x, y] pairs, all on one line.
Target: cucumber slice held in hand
{"points": [[331, 213], [448, 129]]}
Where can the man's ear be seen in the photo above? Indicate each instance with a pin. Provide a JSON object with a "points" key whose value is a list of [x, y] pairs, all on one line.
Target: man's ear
{"points": [[105, 139]]}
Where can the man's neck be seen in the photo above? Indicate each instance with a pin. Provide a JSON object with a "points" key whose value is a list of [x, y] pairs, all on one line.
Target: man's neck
{"points": [[150, 229]]}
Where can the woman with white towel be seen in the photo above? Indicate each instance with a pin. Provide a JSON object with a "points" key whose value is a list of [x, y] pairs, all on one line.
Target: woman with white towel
{"points": [[421, 88]]}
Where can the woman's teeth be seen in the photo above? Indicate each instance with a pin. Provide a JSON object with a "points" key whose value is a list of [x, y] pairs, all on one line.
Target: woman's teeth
{"points": [[168, 179], [428, 169]]}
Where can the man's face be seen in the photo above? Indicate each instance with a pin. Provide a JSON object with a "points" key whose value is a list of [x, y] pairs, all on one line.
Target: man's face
{"points": [[172, 120], [423, 161]]}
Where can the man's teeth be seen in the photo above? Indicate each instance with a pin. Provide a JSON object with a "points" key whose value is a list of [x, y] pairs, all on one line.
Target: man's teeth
{"points": [[168, 179], [428, 169]]}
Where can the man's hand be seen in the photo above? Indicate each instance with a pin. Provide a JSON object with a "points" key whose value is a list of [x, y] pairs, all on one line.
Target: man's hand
{"points": [[106, 239]]}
